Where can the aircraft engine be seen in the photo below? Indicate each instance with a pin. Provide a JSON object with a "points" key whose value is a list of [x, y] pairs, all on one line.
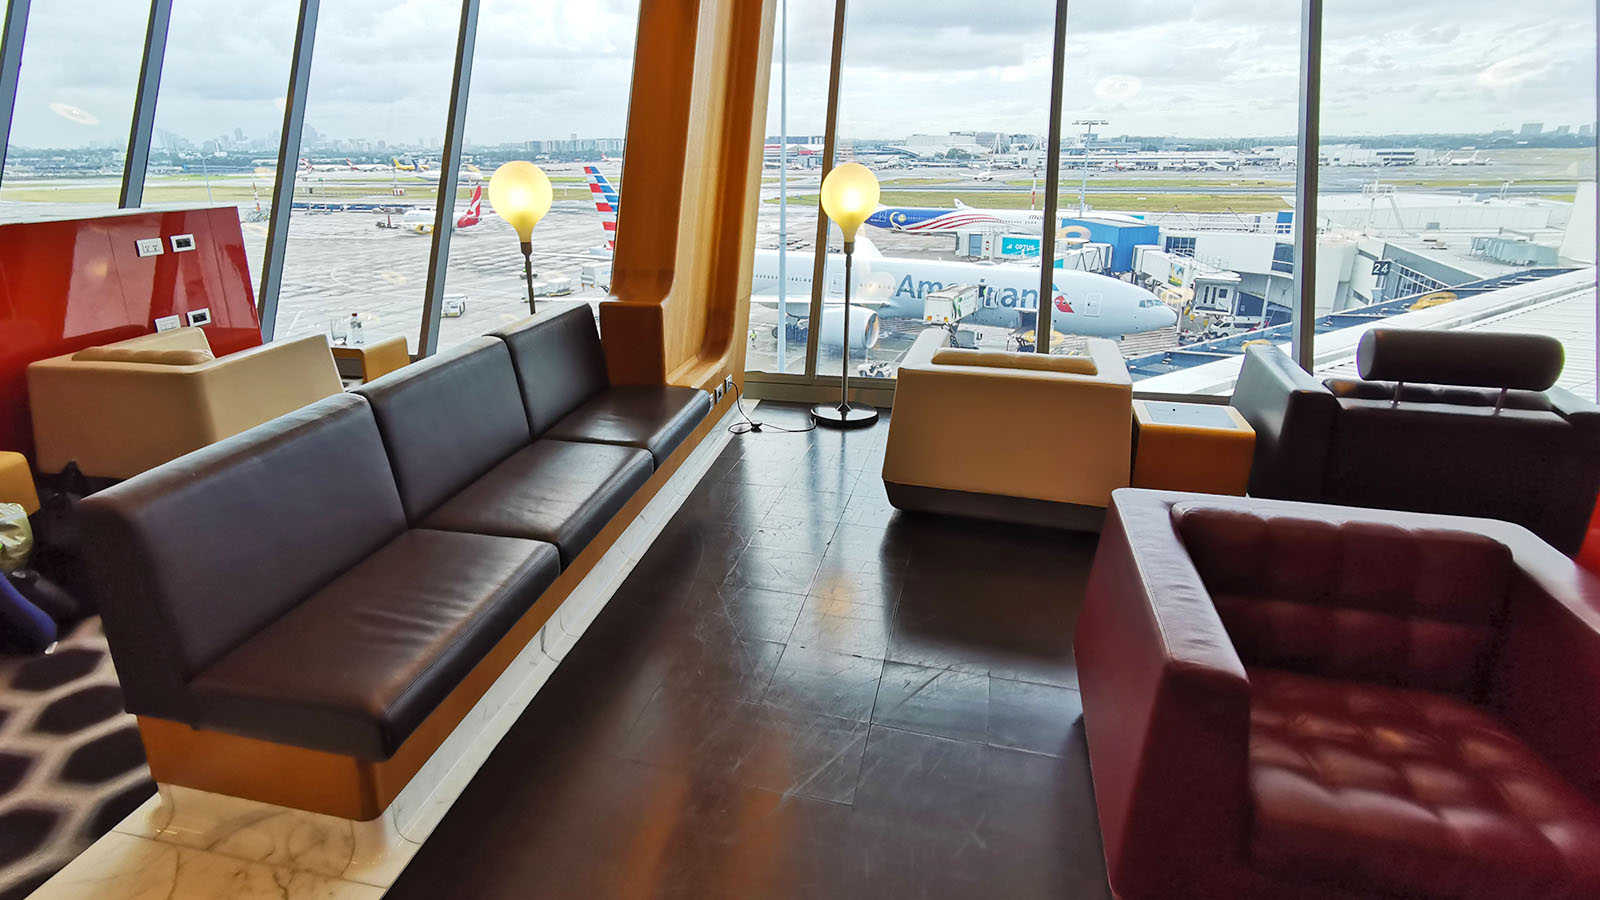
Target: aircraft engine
{"points": [[864, 329]]}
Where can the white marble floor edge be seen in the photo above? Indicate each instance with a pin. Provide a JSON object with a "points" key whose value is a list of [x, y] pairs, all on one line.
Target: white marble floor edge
{"points": [[184, 843]]}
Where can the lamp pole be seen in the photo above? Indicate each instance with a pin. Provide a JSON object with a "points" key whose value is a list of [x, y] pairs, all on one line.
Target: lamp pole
{"points": [[527, 272]]}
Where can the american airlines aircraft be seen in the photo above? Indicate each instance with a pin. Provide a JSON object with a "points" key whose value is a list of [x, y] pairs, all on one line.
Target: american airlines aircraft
{"points": [[886, 287]]}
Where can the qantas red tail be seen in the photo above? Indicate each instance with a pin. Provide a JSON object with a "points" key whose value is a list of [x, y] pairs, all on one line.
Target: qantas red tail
{"points": [[474, 213]]}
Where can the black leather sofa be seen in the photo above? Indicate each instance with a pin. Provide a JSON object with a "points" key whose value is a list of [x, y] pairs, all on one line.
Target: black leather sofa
{"points": [[326, 579], [1458, 422]]}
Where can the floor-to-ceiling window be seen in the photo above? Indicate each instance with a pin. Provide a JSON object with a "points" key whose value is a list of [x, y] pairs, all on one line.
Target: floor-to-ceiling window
{"points": [[1458, 156], [556, 95], [1457, 144], [948, 103], [75, 93], [1178, 134], [215, 141], [791, 172], [368, 169]]}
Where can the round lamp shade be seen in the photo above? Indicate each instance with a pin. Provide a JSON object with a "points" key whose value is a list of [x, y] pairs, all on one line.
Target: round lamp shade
{"points": [[520, 192], [849, 195]]}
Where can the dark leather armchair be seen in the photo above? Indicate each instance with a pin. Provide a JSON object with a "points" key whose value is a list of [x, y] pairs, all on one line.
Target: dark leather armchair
{"points": [[1462, 423], [1288, 700]]}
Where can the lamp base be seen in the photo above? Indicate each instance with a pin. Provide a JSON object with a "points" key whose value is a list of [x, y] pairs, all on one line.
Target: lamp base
{"points": [[836, 415]]}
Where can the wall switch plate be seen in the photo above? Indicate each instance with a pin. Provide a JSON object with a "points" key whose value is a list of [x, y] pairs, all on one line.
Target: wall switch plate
{"points": [[201, 316], [150, 247], [182, 242], [168, 323], [716, 395]]}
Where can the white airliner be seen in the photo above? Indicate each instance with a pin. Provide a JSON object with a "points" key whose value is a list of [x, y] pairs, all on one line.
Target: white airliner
{"points": [[887, 287]]}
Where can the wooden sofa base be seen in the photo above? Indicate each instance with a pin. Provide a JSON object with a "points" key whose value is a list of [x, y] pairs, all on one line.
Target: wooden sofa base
{"points": [[994, 507], [352, 788]]}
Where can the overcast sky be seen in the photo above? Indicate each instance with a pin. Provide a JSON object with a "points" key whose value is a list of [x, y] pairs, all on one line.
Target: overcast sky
{"points": [[550, 68]]}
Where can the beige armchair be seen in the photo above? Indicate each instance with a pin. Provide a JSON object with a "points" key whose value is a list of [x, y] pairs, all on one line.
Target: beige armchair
{"points": [[120, 409], [1010, 436]]}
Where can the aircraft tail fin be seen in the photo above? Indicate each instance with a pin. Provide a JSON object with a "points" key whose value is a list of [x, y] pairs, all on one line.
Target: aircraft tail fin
{"points": [[606, 201], [474, 213], [959, 204], [866, 249]]}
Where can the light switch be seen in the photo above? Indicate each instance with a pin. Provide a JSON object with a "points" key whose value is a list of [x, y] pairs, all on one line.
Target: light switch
{"points": [[169, 323], [200, 316], [150, 247]]}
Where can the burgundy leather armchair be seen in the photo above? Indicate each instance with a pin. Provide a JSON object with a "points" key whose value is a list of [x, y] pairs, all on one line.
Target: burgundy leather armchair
{"points": [[1286, 700]]}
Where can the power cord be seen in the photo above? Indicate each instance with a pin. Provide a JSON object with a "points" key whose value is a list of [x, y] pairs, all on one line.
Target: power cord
{"points": [[749, 425]]}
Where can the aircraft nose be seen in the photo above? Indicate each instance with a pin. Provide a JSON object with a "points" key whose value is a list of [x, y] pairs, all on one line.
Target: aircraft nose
{"points": [[1164, 316]]}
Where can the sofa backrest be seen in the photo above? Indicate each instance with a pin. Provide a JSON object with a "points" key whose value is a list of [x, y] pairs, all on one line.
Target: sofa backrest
{"points": [[191, 558], [1366, 601], [560, 364], [448, 419]]}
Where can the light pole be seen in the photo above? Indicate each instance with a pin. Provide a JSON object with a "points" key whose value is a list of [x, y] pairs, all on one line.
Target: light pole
{"points": [[849, 195], [1088, 135], [520, 192]]}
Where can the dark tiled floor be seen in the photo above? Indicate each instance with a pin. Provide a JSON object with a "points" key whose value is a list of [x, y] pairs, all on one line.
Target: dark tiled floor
{"points": [[800, 693]]}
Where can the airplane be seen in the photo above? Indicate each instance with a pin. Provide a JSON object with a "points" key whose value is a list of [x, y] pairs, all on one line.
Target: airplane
{"points": [[419, 220], [888, 287], [420, 165], [924, 220], [308, 166], [366, 167]]}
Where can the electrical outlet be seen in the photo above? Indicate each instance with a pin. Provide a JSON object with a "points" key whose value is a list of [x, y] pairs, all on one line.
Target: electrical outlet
{"points": [[200, 316], [716, 394], [727, 384], [168, 323], [182, 242], [149, 247]]}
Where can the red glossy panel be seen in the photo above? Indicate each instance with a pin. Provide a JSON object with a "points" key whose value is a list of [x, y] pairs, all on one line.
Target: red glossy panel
{"points": [[80, 282]]}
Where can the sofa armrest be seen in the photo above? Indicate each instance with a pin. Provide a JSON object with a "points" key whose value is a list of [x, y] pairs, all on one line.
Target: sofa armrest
{"points": [[1167, 712], [113, 419], [1547, 681], [257, 385], [1292, 414]]}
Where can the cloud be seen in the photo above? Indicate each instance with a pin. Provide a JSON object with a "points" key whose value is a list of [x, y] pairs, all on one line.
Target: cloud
{"points": [[550, 68]]}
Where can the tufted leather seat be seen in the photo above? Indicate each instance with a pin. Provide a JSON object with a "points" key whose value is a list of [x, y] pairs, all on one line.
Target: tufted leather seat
{"points": [[1292, 701], [1385, 790]]}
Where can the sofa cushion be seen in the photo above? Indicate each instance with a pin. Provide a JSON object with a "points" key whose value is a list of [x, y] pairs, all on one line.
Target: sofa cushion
{"points": [[656, 419], [192, 558], [1367, 600], [447, 420], [554, 491], [1389, 792], [358, 665], [560, 363]]}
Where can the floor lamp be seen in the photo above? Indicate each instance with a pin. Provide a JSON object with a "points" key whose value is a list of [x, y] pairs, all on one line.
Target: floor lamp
{"points": [[520, 193], [849, 195]]}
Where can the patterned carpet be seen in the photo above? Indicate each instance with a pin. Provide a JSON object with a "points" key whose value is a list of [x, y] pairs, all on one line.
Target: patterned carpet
{"points": [[71, 765]]}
